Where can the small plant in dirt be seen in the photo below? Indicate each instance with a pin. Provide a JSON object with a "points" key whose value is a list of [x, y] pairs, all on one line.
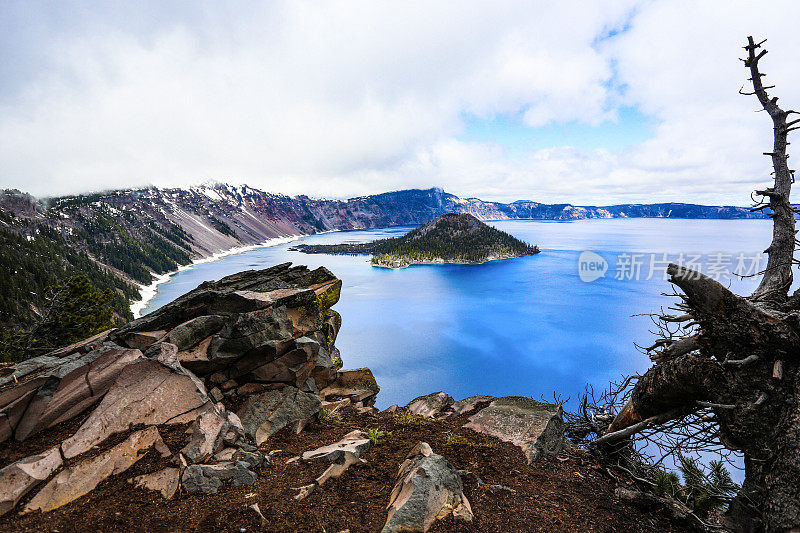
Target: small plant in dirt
{"points": [[406, 418], [376, 436], [330, 417], [337, 362]]}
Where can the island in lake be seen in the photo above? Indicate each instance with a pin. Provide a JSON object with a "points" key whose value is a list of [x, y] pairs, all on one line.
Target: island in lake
{"points": [[452, 238]]}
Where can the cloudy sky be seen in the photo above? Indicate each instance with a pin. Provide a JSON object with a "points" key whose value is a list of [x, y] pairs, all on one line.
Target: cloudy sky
{"points": [[583, 102]]}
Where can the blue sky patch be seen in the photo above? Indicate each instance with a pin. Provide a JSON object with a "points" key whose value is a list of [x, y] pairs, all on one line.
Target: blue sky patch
{"points": [[509, 131]]}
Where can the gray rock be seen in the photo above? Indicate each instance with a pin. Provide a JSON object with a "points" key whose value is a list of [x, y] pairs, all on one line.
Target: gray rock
{"points": [[427, 488], [192, 332], [207, 435], [266, 413], [293, 367], [311, 386], [254, 459], [248, 447], [248, 331], [242, 292], [207, 479], [194, 480], [536, 427]]}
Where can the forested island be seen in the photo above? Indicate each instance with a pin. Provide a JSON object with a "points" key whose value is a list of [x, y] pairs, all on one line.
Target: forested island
{"points": [[452, 238]]}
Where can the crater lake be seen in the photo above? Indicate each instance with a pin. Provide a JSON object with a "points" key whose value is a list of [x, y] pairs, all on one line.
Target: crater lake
{"points": [[530, 326]]}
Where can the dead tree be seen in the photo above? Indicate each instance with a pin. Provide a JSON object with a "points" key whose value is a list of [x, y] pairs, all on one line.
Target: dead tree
{"points": [[738, 358]]}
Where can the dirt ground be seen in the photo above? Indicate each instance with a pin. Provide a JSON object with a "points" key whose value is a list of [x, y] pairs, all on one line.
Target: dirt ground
{"points": [[564, 493]]}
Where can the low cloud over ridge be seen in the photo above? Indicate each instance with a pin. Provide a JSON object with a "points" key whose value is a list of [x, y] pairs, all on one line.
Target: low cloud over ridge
{"points": [[343, 99]]}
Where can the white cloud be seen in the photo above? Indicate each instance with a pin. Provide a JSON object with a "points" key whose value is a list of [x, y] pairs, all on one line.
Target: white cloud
{"points": [[339, 99]]}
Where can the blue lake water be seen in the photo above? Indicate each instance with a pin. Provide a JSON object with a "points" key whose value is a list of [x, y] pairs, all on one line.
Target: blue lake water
{"points": [[527, 326]]}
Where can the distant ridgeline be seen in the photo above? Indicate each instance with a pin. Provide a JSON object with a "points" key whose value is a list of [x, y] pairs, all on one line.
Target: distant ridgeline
{"points": [[121, 239], [451, 238]]}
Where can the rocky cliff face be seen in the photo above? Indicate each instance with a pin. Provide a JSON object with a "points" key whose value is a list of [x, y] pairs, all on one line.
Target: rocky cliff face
{"points": [[238, 360]]}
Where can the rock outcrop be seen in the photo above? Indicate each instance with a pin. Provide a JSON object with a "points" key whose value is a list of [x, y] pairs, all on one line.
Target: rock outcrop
{"points": [[261, 341], [266, 413]]}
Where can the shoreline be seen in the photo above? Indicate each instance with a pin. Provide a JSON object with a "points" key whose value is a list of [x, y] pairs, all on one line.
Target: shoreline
{"points": [[406, 264], [148, 292], [429, 263]]}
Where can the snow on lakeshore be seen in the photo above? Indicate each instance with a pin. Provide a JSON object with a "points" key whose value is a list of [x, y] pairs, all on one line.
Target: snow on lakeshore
{"points": [[148, 292]]}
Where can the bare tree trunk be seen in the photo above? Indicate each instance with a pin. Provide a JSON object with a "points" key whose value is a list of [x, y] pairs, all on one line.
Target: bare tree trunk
{"points": [[778, 275], [739, 357]]}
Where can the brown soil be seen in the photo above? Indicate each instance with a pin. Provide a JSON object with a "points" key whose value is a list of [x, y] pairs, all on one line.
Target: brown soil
{"points": [[566, 493]]}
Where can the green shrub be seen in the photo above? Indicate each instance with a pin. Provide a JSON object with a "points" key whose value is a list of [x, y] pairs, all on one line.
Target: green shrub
{"points": [[376, 436], [706, 492], [667, 484]]}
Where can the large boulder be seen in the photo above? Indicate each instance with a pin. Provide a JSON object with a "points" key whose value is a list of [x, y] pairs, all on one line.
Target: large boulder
{"points": [[192, 332], [281, 285], [427, 488], [62, 386], [248, 331], [536, 427], [76, 391], [267, 413], [293, 367]]}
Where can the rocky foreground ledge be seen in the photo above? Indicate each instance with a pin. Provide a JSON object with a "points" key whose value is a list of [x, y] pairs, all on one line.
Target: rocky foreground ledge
{"points": [[227, 410]]}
